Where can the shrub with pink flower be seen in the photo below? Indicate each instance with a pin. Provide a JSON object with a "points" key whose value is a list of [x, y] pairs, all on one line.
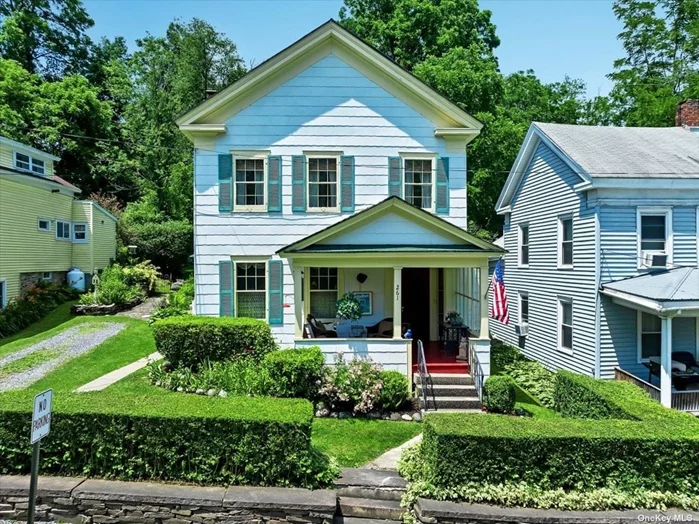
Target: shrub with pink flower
{"points": [[352, 386]]}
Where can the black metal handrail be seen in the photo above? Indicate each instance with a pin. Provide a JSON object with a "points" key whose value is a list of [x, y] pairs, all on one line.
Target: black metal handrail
{"points": [[425, 378], [476, 371]]}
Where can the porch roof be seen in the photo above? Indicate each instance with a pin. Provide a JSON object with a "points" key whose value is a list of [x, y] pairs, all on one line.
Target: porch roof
{"points": [[661, 291], [452, 238]]}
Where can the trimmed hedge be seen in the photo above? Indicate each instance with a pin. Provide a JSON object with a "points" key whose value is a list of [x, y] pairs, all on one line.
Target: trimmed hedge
{"points": [[294, 372], [395, 391], [499, 392], [185, 438], [189, 341], [579, 396]]}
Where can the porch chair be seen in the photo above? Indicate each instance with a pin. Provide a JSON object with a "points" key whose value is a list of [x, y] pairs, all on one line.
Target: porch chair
{"points": [[382, 329], [318, 329]]}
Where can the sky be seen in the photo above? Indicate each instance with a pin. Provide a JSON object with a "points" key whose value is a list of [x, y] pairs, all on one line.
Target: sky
{"points": [[555, 38]]}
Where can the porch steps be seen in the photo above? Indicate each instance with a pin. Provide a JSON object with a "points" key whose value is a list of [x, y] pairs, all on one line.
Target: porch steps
{"points": [[369, 496], [445, 367], [448, 391]]}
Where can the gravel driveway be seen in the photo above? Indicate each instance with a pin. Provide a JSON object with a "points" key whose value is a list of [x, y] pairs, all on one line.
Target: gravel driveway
{"points": [[69, 344]]}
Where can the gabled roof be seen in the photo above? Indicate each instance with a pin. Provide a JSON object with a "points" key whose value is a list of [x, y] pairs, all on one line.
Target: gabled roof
{"points": [[467, 241], [208, 117], [665, 290]]}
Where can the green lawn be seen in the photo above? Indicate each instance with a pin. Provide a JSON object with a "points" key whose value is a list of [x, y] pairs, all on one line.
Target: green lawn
{"points": [[53, 320]]}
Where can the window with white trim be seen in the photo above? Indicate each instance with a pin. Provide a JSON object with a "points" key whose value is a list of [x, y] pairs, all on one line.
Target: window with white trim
{"points": [[3, 293], [323, 288], [654, 230], [565, 241], [250, 184], [47, 276], [418, 181], [523, 307], [25, 162], [524, 244], [43, 224], [80, 235], [62, 230], [323, 183], [251, 289], [649, 336], [565, 324]]}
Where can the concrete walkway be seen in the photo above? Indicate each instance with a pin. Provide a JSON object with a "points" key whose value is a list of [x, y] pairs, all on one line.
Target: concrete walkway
{"points": [[389, 460], [110, 378]]}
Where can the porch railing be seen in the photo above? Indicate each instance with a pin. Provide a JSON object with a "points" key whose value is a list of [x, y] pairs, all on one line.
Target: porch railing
{"points": [[681, 400], [425, 378], [476, 371]]}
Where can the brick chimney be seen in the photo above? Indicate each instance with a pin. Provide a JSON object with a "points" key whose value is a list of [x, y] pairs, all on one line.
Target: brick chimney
{"points": [[687, 114]]}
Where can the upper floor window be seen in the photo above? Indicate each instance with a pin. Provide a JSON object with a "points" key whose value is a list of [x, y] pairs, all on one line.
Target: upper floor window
{"points": [[649, 335], [565, 241], [80, 233], [323, 284], [250, 289], [654, 229], [323, 182], [249, 184], [418, 182], [62, 230], [524, 245], [565, 324], [25, 162]]}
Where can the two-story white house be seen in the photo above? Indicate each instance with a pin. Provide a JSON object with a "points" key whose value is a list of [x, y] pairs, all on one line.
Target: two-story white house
{"points": [[601, 271], [329, 169]]}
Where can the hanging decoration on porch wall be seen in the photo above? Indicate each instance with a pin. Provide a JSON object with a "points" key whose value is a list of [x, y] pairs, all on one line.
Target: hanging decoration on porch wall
{"points": [[365, 302]]}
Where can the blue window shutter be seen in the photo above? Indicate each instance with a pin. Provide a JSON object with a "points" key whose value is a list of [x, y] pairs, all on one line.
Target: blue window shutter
{"points": [[226, 286], [395, 176], [298, 184], [347, 183], [276, 292], [225, 183], [442, 189], [274, 184]]}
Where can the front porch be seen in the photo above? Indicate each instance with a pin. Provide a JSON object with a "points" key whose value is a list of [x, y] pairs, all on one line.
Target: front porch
{"points": [[663, 361], [409, 268]]}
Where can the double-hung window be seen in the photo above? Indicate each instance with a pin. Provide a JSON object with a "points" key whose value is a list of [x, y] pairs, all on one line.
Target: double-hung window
{"points": [[249, 184], [323, 289], [323, 183], [62, 230], [250, 289], [649, 335], [418, 182], [654, 227], [565, 241], [24, 162], [524, 245], [523, 307], [80, 233], [565, 325]]}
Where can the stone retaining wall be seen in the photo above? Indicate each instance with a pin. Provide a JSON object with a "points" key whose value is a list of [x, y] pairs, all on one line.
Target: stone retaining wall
{"points": [[85, 501]]}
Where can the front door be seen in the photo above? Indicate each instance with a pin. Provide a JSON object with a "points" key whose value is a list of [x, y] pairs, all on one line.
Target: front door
{"points": [[416, 301]]}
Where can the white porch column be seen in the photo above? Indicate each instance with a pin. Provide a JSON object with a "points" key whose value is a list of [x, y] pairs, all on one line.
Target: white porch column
{"points": [[666, 362], [434, 303], [298, 302], [397, 303], [483, 297]]}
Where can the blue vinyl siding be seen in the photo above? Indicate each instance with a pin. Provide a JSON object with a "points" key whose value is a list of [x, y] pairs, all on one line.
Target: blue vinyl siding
{"points": [[684, 226], [546, 192]]}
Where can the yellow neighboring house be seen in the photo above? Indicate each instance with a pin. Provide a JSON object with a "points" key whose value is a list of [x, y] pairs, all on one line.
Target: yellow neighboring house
{"points": [[44, 230]]}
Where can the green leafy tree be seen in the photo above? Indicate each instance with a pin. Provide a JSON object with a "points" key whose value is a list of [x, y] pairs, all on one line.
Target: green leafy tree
{"points": [[45, 36], [661, 66]]}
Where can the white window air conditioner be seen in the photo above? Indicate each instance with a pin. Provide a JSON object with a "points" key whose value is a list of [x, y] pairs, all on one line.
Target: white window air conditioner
{"points": [[522, 329], [654, 259]]}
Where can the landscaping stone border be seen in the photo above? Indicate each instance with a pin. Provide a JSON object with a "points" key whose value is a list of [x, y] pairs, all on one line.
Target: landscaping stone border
{"points": [[98, 309], [95, 501]]}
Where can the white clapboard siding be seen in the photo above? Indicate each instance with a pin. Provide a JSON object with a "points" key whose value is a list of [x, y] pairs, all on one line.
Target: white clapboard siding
{"points": [[545, 193], [328, 107], [391, 354]]}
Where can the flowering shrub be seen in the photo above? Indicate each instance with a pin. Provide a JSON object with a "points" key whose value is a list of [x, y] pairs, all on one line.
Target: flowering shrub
{"points": [[32, 305], [352, 386]]}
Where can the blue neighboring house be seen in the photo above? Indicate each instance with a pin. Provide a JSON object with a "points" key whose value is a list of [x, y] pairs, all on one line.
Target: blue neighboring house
{"points": [[601, 266]]}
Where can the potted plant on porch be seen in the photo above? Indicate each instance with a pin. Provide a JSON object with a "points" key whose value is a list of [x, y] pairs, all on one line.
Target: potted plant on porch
{"points": [[348, 310]]}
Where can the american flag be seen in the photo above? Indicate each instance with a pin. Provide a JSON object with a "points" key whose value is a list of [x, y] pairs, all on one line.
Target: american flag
{"points": [[498, 309]]}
